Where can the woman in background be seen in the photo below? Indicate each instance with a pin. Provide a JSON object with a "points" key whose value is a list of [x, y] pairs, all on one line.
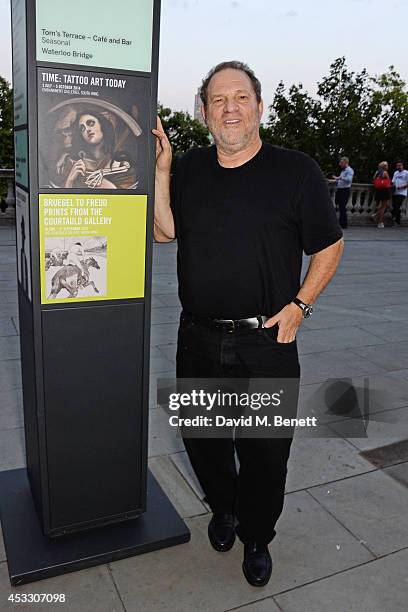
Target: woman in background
{"points": [[382, 185]]}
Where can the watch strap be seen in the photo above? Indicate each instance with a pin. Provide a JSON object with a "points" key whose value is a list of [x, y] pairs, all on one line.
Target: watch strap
{"points": [[306, 309], [299, 303]]}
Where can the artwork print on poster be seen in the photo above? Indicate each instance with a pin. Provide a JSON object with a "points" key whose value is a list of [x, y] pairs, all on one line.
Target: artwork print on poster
{"points": [[92, 130], [76, 266]]}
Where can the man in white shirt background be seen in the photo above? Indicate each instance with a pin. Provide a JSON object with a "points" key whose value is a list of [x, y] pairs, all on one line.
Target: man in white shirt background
{"points": [[400, 181], [344, 181]]}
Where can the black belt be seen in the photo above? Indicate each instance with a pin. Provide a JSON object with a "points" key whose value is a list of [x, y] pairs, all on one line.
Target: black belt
{"points": [[229, 325]]}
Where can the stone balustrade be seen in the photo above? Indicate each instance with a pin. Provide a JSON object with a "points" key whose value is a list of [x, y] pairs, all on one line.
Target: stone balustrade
{"points": [[361, 204]]}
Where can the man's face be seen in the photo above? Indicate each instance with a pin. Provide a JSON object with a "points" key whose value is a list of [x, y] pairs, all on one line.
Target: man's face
{"points": [[400, 167], [233, 113], [90, 129], [343, 164], [63, 129]]}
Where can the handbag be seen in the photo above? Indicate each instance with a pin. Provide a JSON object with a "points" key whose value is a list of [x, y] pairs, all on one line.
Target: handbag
{"points": [[382, 183]]}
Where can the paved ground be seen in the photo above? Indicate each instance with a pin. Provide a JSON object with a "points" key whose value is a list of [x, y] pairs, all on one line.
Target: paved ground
{"points": [[342, 541]]}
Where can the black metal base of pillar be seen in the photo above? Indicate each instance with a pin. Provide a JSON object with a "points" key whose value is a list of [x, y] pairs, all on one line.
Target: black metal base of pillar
{"points": [[32, 556]]}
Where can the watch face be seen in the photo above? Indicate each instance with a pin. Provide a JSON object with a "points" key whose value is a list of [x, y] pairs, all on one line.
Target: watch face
{"points": [[307, 311]]}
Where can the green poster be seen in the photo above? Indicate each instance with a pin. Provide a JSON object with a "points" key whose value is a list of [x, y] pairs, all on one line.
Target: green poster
{"points": [[96, 33], [21, 157], [19, 61], [92, 247]]}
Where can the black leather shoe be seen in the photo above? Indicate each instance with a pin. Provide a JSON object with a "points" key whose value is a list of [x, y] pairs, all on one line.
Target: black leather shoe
{"points": [[257, 564], [221, 531]]}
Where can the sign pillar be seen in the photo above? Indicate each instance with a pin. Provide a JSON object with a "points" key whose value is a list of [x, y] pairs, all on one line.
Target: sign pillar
{"points": [[85, 88]]}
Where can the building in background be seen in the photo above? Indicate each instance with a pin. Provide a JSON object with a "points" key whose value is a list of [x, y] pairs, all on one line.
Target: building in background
{"points": [[197, 106]]}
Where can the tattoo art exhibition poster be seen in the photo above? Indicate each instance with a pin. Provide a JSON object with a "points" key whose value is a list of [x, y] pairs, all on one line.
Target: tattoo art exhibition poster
{"points": [[92, 130], [92, 247]]}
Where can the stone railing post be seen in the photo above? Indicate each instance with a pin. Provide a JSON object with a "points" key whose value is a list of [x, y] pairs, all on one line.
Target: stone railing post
{"points": [[11, 196], [361, 204], [8, 216]]}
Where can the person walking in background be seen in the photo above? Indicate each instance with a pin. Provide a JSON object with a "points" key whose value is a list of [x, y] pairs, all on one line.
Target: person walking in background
{"points": [[344, 181], [382, 186], [400, 182]]}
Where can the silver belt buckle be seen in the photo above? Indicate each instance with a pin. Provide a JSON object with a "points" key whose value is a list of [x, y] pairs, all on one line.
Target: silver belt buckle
{"points": [[257, 322], [224, 321], [232, 322], [253, 322]]}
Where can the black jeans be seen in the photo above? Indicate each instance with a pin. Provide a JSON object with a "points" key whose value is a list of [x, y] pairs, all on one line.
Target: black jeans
{"points": [[397, 201], [342, 197], [256, 492]]}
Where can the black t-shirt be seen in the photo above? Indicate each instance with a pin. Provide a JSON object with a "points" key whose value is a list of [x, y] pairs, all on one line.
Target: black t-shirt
{"points": [[241, 231]]}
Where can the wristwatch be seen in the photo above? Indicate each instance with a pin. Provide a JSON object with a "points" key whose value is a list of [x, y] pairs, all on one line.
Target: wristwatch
{"points": [[306, 309]]}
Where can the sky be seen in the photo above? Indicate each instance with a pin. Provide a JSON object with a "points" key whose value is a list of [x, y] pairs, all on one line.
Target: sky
{"points": [[294, 41]]}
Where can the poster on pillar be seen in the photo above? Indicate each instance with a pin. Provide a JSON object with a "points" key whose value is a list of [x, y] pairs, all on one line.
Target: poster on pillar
{"points": [[92, 247], [96, 33], [92, 130], [19, 42]]}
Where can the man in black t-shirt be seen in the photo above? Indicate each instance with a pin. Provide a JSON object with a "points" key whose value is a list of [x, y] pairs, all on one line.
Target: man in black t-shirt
{"points": [[243, 212]]}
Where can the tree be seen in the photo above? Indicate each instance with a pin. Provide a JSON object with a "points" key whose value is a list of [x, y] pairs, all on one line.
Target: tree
{"points": [[346, 118], [6, 125], [292, 119], [353, 114], [391, 99], [183, 131]]}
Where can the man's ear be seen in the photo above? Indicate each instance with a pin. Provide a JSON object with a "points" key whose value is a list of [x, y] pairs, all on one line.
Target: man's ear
{"points": [[261, 108], [203, 113]]}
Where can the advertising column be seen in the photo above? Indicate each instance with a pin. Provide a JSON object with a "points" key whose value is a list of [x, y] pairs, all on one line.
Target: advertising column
{"points": [[85, 162]]}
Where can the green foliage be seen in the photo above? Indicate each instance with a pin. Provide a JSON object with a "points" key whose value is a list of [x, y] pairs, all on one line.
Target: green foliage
{"points": [[183, 131], [6, 125], [353, 114], [292, 120]]}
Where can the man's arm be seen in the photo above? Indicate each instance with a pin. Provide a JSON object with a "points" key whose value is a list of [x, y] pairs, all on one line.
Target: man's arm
{"points": [[164, 229], [406, 179], [322, 268]]}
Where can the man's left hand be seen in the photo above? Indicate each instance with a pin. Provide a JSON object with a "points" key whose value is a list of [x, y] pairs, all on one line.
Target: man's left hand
{"points": [[288, 320]]}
